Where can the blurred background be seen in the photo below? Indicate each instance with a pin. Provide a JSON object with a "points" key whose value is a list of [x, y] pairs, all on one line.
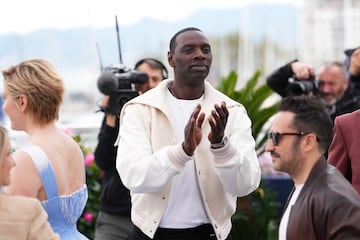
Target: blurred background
{"points": [[79, 38]]}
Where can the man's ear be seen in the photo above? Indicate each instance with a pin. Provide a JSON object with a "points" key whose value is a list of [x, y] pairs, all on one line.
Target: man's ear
{"points": [[309, 141], [171, 59]]}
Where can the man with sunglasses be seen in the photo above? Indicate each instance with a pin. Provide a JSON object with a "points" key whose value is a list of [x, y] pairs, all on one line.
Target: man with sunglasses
{"points": [[323, 204]]}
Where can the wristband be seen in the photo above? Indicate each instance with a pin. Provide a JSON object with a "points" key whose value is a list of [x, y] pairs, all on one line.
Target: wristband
{"points": [[220, 144]]}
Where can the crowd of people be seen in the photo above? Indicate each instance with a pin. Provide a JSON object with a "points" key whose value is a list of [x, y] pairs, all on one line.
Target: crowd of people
{"points": [[176, 156], [319, 118]]}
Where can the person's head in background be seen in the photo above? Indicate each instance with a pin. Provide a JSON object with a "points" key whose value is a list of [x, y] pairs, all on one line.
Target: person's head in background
{"points": [[155, 70], [6, 161], [352, 61], [333, 82], [33, 93]]}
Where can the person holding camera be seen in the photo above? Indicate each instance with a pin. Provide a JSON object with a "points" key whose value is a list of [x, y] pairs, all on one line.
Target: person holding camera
{"points": [[113, 221], [330, 83], [186, 150]]}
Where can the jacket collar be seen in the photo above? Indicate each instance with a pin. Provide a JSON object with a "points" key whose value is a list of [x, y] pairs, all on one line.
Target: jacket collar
{"points": [[318, 169], [156, 97]]}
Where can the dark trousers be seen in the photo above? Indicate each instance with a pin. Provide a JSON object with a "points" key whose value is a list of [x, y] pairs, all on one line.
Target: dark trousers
{"points": [[202, 232], [112, 227]]}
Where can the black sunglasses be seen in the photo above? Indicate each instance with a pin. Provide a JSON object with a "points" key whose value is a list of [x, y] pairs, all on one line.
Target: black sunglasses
{"points": [[276, 136]]}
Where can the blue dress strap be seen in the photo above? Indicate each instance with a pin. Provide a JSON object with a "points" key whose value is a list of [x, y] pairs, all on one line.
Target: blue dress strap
{"points": [[45, 170]]}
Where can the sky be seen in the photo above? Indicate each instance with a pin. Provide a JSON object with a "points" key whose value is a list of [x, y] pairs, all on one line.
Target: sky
{"points": [[24, 16]]}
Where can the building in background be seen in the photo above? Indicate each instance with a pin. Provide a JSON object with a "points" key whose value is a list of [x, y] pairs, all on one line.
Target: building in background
{"points": [[328, 28]]}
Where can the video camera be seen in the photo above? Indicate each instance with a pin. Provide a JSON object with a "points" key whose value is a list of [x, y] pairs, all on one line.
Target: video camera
{"points": [[298, 87], [116, 81]]}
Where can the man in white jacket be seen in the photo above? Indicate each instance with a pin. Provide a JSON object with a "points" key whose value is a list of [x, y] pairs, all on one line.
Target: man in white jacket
{"points": [[186, 151]]}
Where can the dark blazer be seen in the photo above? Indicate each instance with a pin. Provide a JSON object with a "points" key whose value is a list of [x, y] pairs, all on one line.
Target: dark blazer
{"points": [[344, 151], [328, 207]]}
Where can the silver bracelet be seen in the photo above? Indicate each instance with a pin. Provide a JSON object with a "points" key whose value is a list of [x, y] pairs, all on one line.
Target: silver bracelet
{"points": [[220, 144]]}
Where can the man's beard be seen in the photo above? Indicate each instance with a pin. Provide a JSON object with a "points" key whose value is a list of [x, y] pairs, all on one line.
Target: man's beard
{"points": [[329, 103], [333, 101]]}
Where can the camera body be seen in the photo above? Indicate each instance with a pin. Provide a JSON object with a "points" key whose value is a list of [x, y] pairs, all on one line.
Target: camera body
{"points": [[298, 87], [116, 81]]}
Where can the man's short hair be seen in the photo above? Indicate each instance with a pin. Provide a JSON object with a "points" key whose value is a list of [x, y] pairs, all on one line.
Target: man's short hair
{"points": [[173, 39], [310, 116]]}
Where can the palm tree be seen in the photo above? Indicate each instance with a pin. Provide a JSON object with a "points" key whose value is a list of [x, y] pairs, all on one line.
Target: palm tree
{"points": [[256, 213], [252, 96]]}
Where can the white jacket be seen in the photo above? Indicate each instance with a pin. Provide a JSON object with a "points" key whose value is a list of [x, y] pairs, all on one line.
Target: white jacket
{"points": [[149, 157]]}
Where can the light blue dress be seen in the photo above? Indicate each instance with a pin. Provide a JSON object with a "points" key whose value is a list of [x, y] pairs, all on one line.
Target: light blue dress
{"points": [[63, 211]]}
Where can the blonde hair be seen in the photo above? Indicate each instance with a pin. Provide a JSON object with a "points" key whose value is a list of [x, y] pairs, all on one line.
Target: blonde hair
{"points": [[3, 139], [40, 82]]}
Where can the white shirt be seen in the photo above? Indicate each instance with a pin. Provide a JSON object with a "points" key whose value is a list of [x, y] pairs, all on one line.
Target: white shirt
{"points": [[285, 217], [185, 208]]}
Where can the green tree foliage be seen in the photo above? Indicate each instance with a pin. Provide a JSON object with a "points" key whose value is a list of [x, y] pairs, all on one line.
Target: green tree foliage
{"points": [[257, 219], [256, 214], [252, 96], [86, 224]]}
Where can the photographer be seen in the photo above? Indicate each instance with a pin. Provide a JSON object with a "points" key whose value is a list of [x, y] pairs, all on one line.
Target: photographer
{"points": [[113, 221], [330, 83], [352, 63]]}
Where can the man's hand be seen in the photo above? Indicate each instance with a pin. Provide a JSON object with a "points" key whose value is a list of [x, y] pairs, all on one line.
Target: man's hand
{"points": [[302, 71], [105, 101], [110, 118], [193, 132], [218, 121]]}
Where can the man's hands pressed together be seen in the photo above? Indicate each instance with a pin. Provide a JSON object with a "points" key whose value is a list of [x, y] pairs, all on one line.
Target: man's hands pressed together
{"points": [[217, 121]]}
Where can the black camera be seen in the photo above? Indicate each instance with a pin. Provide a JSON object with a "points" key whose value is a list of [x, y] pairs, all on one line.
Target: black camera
{"points": [[116, 81], [298, 87]]}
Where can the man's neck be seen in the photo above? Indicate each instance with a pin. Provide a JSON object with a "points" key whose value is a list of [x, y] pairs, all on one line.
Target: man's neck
{"points": [[303, 172], [186, 92]]}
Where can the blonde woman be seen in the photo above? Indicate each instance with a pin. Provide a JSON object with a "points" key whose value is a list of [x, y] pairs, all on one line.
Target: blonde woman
{"points": [[20, 217], [51, 168]]}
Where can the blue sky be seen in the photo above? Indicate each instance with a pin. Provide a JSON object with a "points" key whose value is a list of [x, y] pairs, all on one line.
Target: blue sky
{"points": [[23, 16]]}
